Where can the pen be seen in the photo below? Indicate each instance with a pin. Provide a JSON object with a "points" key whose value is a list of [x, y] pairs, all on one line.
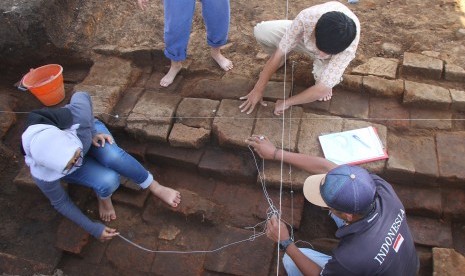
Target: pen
{"points": [[360, 140]]}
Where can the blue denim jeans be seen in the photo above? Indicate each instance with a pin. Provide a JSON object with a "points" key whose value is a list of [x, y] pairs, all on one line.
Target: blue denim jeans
{"points": [[178, 24], [102, 167], [317, 257]]}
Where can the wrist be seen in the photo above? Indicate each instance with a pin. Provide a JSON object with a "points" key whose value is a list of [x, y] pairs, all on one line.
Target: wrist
{"points": [[275, 153], [284, 244]]}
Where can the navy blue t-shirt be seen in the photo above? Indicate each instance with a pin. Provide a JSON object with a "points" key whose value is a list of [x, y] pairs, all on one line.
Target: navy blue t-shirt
{"points": [[380, 244]]}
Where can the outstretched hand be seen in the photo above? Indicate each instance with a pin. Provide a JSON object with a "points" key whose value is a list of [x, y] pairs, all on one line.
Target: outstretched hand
{"points": [[108, 234], [262, 145], [251, 101], [276, 230], [280, 107], [99, 139]]}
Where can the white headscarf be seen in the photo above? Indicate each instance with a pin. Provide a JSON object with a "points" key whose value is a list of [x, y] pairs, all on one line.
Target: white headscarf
{"points": [[49, 149]]}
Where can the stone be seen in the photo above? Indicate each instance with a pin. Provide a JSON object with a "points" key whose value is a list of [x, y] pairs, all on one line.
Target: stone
{"points": [[24, 180], [312, 126], [93, 252], [178, 264], [71, 237], [169, 232], [227, 164], [412, 159], [389, 112], [358, 107], [453, 203], [430, 119], [454, 73], [421, 65], [220, 89], [352, 82], [292, 177], [14, 265], [391, 48], [381, 87], [7, 118], [198, 113], [458, 100], [377, 66], [130, 197], [419, 201], [152, 116], [460, 33], [119, 75], [430, 232], [194, 205], [188, 137], [426, 95], [232, 260], [262, 56], [458, 123], [447, 261], [275, 91], [232, 127], [373, 166], [432, 54], [458, 234], [181, 157], [450, 150], [271, 126], [104, 99], [124, 107]]}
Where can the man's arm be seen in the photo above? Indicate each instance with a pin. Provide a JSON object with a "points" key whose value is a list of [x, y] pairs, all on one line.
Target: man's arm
{"points": [[308, 163], [256, 95]]}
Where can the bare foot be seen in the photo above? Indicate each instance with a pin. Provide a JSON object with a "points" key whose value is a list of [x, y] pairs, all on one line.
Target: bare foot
{"points": [[106, 210], [168, 195], [223, 62], [168, 79], [326, 98]]}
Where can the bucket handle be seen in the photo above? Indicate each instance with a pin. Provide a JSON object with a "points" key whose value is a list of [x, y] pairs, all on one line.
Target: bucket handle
{"points": [[20, 85]]}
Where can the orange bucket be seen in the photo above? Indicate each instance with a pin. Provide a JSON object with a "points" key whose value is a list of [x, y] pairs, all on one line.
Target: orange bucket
{"points": [[46, 83]]}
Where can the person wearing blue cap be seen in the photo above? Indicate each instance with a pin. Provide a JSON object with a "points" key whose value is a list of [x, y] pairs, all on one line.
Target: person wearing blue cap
{"points": [[372, 226]]}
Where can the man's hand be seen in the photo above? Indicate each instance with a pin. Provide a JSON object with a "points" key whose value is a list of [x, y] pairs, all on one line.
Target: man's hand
{"points": [[108, 234], [262, 145], [142, 4], [279, 108], [251, 100], [99, 139], [276, 230]]}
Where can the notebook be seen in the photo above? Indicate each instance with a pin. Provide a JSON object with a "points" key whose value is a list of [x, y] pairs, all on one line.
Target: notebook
{"points": [[353, 146]]}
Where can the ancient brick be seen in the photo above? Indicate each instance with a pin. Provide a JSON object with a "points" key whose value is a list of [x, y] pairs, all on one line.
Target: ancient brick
{"points": [[124, 107], [317, 105], [454, 73], [357, 108], [188, 137], [119, 75], [453, 202], [232, 260], [93, 252], [132, 198], [420, 201], [275, 90], [458, 122], [377, 66], [231, 126], [458, 234], [352, 83], [450, 149], [71, 237], [291, 176], [228, 164], [421, 65], [447, 261], [458, 100], [24, 180], [430, 232], [75, 74], [311, 127], [412, 156], [153, 115], [426, 259], [430, 119], [197, 206], [178, 264], [14, 265], [389, 112], [271, 125], [382, 87], [220, 89], [182, 157], [426, 95], [104, 99], [197, 112]]}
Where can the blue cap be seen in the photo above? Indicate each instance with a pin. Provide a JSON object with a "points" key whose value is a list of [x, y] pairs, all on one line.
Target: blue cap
{"points": [[346, 188]]}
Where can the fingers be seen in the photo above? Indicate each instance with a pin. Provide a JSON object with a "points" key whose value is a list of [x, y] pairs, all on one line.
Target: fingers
{"points": [[109, 138]]}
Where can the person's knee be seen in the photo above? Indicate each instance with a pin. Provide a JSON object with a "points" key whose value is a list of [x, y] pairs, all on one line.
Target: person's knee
{"points": [[108, 183], [111, 155]]}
